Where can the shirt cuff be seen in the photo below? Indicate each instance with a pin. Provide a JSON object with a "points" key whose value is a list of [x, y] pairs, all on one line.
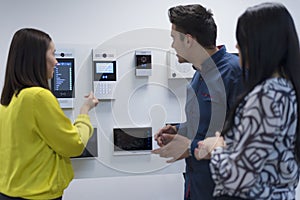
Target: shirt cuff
{"points": [[193, 146]]}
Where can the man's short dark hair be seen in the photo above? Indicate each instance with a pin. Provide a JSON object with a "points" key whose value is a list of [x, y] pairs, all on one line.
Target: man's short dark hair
{"points": [[196, 21]]}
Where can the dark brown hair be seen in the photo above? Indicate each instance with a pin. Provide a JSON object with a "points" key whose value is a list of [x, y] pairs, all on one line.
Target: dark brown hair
{"points": [[269, 43], [26, 63], [197, 21]]}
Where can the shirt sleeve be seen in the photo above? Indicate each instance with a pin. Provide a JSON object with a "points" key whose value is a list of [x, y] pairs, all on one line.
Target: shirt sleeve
{"points": [[182, 129], [250, 143], [56, 129]]}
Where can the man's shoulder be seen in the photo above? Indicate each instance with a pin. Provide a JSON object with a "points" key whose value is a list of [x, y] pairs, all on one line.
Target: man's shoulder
{"points": [[230, 63], [232, 59]]}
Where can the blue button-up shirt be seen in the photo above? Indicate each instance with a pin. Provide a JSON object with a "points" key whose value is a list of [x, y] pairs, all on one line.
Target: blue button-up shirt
{"points": [[210, 95]]}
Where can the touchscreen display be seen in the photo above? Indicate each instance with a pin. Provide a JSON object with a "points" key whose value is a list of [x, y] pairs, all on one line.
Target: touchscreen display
{"points": [[133, 139], [105, 71], [104, 67], [62, 83]]}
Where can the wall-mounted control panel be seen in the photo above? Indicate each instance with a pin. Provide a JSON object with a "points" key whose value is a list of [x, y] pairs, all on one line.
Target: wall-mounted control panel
{"points": [[104, 73], [143, 63], [63, 81], [132, 141]]}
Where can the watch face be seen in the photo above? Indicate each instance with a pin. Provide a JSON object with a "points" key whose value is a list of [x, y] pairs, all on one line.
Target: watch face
{"points": [[189, 150]]}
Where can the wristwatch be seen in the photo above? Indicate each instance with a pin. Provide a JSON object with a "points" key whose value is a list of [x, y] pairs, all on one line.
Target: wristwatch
{"points": [[190, 150]]}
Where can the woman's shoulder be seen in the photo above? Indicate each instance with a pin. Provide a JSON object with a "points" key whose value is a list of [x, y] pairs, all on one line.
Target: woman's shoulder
{"points": [[36, 92], [271, 87], [275, 83]]}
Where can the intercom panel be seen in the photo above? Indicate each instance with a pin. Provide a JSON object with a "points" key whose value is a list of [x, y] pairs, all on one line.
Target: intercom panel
{"points": [[178, 70], [132, 141], [104, 74], [105, 77], [63, 81], [143, 63]]}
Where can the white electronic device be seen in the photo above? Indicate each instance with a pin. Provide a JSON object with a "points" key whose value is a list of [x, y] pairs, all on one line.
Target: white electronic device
{"points": [[63, 81], [143, 63], [132, 141], [104, 73], [178, 70]]}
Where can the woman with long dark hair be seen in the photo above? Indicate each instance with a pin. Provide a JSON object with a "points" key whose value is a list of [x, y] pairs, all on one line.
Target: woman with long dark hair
{"points": [[36, 138], [258, 155]]}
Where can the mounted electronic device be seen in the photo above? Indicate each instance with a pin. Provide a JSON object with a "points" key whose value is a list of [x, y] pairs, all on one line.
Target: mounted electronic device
{"points": [[104, 73], [63, 81]]}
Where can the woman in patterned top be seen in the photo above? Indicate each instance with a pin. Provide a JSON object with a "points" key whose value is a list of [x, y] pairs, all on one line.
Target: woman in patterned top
{"points": [[258, 155]]}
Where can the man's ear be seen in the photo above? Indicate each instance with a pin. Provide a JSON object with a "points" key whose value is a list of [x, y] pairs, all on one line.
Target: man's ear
{"points": [[189, 40]]}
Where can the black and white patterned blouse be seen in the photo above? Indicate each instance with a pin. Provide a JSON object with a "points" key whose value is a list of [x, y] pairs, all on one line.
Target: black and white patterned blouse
{"points": [[259, 161]]}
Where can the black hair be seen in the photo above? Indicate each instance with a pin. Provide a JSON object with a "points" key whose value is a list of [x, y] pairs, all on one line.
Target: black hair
{"points": [[26, 63], [197, 21], [268, 43]]}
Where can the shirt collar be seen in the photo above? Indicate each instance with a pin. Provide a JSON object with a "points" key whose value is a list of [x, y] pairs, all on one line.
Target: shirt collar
{"points": [[210, 62]]}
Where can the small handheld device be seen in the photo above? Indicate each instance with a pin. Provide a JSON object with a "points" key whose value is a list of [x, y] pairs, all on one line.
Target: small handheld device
{"points": [[143, 63], [104, 74], [63, 81], [132, 141]]}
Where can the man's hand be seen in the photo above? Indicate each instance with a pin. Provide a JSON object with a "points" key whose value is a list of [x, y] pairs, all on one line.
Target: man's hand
{"points": [[176, 147], [167, 130]]}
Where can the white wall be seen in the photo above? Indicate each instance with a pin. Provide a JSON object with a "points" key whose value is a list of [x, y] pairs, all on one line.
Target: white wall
{"points": [[125, 25]]}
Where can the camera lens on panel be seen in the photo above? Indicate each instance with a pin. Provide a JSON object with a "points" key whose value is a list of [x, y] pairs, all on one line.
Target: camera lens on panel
{"points": [[144, 59]]}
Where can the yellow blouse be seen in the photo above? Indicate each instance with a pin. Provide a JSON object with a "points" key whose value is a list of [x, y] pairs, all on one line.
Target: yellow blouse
{"points": [[36, 143]]}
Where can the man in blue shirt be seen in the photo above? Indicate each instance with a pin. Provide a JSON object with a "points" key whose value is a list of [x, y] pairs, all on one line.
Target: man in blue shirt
{"points": [[215, 85]]}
